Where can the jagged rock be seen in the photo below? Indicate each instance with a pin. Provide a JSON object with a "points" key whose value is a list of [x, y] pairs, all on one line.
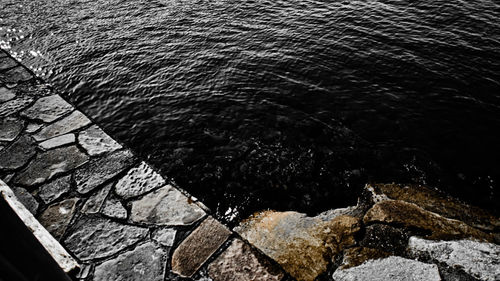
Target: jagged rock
{"points": [[145, 262], [436, 202], [51, 191], [386, 237], [7, 62], [480, 260], [49, 164], [101, 170], [96, 142], [93, 238], [166, 206], [303, 246], [6, 94], [18, 154], [165, 236], [113, 208], [57, 217], [58, 141], [358, 255], [96, 201], [14, 106], [72, 122], [411, 215], [16, 75], [240, 262], [198, 247], [48, 109], [139, 180], [27, 199], [389, 269], [10, 128]]}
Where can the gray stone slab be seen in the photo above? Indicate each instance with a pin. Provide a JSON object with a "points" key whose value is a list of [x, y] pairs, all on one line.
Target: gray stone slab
{"points": [[7, 62], [51, 191], [139, 180], [27, 199], [113, 208], [389, 269], [198, 247], [240, 262], [13, 106], [95, 202], [145, 262], [96, 142], [16, 75], [49, 164], [57, 217], [93, 237], [18, 154], [101, 170], [165, 236], [166, 206], [33, 127], [48, 109], [480, 260], [6, 94], [57, 141], [10, 128], [68, 124]]}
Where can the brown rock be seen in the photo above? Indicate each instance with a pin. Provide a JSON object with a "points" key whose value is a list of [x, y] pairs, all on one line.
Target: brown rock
{"points": [[200, 245], [303, 246], [57, 217], [358, 255], [412, 216], [240, 262]]}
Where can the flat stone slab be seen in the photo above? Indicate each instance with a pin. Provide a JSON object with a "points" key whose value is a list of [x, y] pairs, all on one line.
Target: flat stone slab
{"points": [[14, 106], [68, 124], [165, 236], [48, 109], [145, 262], [166, 206], [389, 269], [198, 247], [480, 260], [18, 154], [113, 208], [16, 75], [57, 141], [27, 199], [57, 217], [33, 127], [53, 190], [95, 202], [6, 94], [240, 262], [139, 180], [51, 163], [93, 237], [96, 142], [7, 62], [101, 170], [10, 128]]}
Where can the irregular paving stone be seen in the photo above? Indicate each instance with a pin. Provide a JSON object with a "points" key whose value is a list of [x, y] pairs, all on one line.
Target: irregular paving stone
{"points": [[241, 262], [391, 268], [101, 170], [27, 199], [58, 141], [57, 217], [93, 237], [166, 206], [138, 181], [48, 109], [7, 62], [15, 75], [303, 246], [95, 202], [14, 106], [200, 245], [113, 208], [18, 154], [33, 127], [51, 191], [10, 128], [358, 255], [165, 236], [411, 215], [435, 202], [481, 260], [51, 163], [146, 262], [72, 122], [6, 94], [96, 142]]}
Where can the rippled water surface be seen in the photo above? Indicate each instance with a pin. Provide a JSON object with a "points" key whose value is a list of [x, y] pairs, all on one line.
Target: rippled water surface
{"points": [[281, 104]]}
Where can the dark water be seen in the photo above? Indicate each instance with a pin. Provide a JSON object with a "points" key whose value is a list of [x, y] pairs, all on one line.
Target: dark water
{"points": [[281, 104]]}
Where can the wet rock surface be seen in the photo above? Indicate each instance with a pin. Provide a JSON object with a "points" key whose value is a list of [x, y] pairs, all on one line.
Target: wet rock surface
{"points": [[13, 106], [57, 217], [16, 75], [96, 142], [48, 109], [18, 154], [68, 124], [10, 128], [138, 181]]}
